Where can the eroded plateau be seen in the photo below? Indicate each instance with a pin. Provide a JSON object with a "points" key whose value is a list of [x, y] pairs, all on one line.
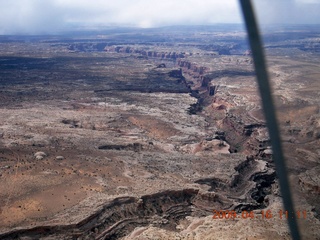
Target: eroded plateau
{"points": [[142, 134]]}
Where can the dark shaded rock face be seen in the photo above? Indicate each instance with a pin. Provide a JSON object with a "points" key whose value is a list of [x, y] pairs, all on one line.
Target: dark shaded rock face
{"points": [[162, 65], [196, 107], [205, 81], [213, 90], [130, 147], [176, 74], [264, 182], [156, 80]]}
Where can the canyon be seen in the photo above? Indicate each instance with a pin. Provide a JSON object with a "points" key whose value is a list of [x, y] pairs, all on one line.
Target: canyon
{"points": [[145, 136]]}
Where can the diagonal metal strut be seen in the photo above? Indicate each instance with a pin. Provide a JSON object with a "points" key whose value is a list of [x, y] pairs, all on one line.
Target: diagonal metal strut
{"points": [[269, 112]]}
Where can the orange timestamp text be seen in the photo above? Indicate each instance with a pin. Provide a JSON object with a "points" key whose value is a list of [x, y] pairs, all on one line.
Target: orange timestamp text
{"points": [[261, 214]]}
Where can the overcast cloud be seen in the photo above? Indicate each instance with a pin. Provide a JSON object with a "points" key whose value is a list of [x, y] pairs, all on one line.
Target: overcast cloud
{"points": [[45, 16], [288, 11]]}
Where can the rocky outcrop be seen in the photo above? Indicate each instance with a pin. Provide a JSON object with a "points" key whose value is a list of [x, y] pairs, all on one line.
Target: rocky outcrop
{"points": [[192, 66], [120, 216]]}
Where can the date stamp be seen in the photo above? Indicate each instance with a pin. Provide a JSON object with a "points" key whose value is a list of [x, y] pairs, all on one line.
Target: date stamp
{"points": [[262, 214]]}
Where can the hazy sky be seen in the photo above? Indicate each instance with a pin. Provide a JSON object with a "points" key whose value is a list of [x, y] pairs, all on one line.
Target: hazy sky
{"points": [[45, 16]]}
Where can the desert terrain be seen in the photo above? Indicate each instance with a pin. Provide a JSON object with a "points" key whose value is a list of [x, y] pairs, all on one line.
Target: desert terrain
{"points": [[148, 133]]}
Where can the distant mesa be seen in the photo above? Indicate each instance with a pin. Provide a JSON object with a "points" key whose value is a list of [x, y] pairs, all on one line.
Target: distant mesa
{"points": [[143, 52]]}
